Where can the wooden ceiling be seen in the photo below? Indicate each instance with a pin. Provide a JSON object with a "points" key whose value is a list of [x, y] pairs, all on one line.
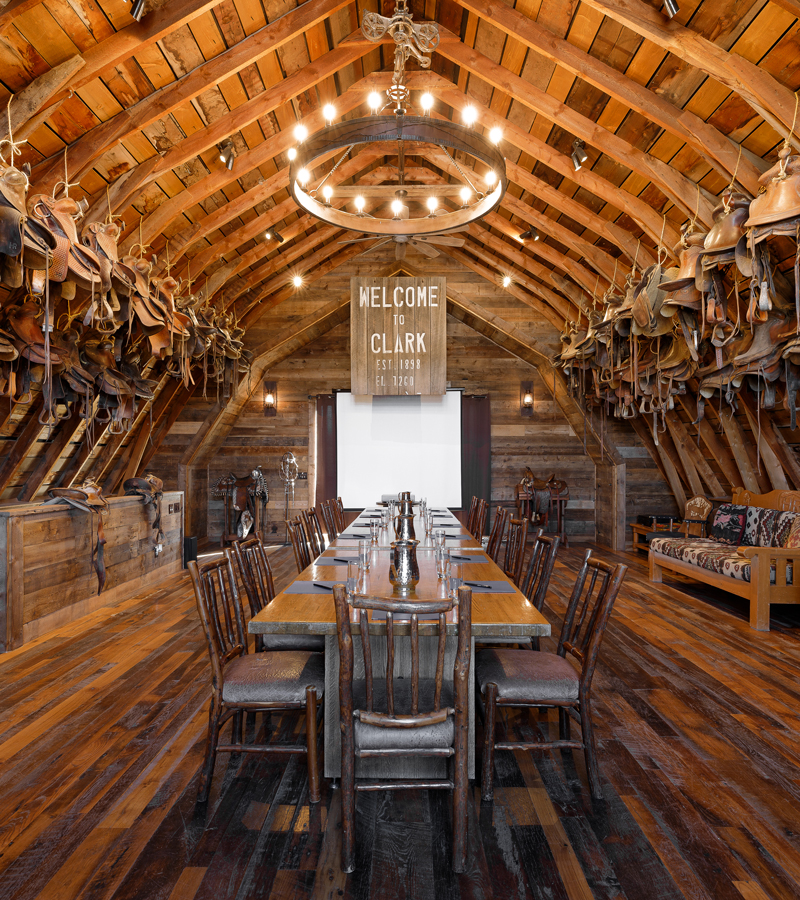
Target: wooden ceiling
{"points": [[668, 111]]}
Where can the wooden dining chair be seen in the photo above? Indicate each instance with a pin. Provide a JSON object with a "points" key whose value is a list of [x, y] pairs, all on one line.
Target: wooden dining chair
{"points": [[479, 527], [473, 509], [330, 520], [256, 576], [244, 682], [338, 508], [317, 525], [394, 715], [522, 678], [297, 536], [515, 549], [537, 575], [496, 537], [310, 531]]}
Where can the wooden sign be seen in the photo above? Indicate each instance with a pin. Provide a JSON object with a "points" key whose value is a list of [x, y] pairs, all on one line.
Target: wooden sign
{"points": [[398, 335]]}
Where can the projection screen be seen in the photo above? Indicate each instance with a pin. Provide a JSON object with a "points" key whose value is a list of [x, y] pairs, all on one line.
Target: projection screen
{"points": [[390, 444]]}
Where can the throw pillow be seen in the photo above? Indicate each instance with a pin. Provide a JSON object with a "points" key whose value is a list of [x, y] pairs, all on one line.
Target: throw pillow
{"points": [[766, 527], [750, 533], [793, 539], [783, 525], [729, 524]]}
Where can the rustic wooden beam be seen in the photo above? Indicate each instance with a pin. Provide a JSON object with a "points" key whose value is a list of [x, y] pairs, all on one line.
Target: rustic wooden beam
{"points": [[22, 443], [682, 191], [690, 457], [640, 212], [30, 100], [759, 425], [667, 464], [90, 146], [47, 461], [250, 111], [719, 450], [767, 96], [717, 149], [165, 424], [13, 8], [738, 444]]}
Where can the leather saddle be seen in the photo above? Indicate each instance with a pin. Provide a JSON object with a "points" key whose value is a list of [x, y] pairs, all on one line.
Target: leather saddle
{"points": [[151, 490], [88, 498]]}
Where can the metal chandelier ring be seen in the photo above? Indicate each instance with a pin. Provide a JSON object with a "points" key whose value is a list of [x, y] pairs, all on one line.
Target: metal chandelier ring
{"points": [[410, 130]]}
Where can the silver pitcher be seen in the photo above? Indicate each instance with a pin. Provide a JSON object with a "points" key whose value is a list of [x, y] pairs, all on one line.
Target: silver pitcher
{"points": [[404, 571], [404, 526]]}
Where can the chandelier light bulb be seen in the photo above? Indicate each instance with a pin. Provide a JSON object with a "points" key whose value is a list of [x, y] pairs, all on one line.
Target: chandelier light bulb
{"points": [[496, 135], [506, 281], [300, 133], [297, 281], [327, 193], [292, 154], [432, 204], [465, 194], [374, 100], [426, 102], [329, 112], [359, 202], [490, 177], [303, 176], [469, 115], [396, 207]]}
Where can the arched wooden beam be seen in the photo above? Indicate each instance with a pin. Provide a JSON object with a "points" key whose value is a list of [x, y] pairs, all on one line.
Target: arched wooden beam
{"points": [[713, 146], [640, 212], [82, 153], [763, 93], [125, 189], [682, 191]]}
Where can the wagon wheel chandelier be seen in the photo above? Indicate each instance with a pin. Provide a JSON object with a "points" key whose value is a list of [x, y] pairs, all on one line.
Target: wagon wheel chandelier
{"points": [[407, 209]]}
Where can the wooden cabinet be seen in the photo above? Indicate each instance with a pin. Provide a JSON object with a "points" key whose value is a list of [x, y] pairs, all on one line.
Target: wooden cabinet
{"points": [[46, 572]]}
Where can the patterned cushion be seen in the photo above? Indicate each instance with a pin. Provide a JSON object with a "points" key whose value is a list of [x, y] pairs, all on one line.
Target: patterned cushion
{"points": [[750, 534], [729, 523], [783, 525], [793, 538], [714, 556], [676, 547], [766, 527]]}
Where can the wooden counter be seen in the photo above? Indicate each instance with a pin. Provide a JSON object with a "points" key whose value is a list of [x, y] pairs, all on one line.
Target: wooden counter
{"points": [[47, 578]]}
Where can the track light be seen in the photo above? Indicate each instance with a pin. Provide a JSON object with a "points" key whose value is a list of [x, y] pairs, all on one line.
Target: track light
{"points": [[671, 8], [579, 155], [273, 236], [530, 235], [138, 10], [227, 154]]}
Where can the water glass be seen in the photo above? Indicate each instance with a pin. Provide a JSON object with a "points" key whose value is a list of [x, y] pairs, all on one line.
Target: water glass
{"points": [[442, 563], [353, 570], [364, 553], [385, 517], [374, 530], [455, 579], [428, 518], [439, 537]]}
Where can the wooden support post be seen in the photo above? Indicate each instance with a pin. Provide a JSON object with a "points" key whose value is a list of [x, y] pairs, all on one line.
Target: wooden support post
{"points": [[683, 441], [785, 454], [716, 447], [736, 439], [667, 464], [764, 434], [22, 443], [64, 434], [684, 455]]}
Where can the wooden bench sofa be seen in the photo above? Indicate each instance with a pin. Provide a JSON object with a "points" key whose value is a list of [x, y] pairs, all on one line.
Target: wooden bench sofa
{"points": [[762, 561]]}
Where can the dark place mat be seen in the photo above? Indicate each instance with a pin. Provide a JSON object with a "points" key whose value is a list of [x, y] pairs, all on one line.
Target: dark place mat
{"points": [[496, 587], [308, 587], [332, 561], [469, 560]]}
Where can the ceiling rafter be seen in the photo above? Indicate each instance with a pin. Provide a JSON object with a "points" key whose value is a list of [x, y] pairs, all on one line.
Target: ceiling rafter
{"points": [[766, 95]]}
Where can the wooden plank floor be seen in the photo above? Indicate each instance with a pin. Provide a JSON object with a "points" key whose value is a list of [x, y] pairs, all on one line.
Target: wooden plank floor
{"points": [[102, 728]]}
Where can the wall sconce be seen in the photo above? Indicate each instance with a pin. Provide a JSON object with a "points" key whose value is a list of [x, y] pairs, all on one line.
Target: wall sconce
{"points": [[270, 398], [526, 399]]}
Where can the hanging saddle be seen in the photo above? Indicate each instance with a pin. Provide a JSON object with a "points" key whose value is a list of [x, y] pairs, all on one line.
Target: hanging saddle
{"points": [[151, 490], [88, 498]]}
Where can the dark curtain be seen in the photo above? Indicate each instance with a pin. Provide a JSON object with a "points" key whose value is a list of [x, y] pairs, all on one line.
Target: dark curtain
{"points": [[326, 447], [476, 449]]}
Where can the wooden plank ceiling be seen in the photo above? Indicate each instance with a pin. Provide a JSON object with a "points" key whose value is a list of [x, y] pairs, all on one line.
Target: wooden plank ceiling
{"points": [[668, 109]]}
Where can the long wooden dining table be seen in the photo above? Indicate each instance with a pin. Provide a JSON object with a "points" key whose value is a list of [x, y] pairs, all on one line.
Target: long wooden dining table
{"points": [[304, 607]]}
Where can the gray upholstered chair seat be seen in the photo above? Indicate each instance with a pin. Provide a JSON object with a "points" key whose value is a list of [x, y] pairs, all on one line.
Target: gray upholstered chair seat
{"points": [[312, 642], [428, 737], [274, 677], [525, 675]]}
